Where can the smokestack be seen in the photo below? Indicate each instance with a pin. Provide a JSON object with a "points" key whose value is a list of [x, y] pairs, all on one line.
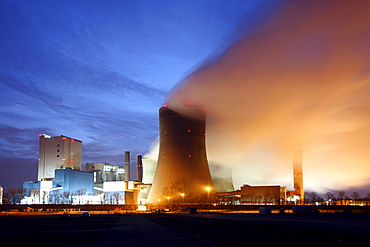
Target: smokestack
{"points": [[298, 175], [182, 162], [127, 166], [139, 168]]}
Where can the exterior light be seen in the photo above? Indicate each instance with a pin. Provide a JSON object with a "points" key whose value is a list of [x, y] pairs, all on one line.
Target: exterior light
{"points": [[208, 189]]}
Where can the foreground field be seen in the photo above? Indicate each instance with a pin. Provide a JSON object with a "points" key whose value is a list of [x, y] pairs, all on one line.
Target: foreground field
{"points": [[54, 230], [180, 230], [252, 230]]}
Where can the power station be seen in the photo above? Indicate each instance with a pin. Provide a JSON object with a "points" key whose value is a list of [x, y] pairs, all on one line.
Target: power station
{"points": [[182, 168], [180, 175]]}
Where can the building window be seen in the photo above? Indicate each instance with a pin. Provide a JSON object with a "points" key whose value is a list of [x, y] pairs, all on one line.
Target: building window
{"points": [[58, 155], [58, 150], [58, 145]]}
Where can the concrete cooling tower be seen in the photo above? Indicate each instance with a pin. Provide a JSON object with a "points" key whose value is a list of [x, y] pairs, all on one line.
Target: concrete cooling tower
{"points": [[182, 171]]}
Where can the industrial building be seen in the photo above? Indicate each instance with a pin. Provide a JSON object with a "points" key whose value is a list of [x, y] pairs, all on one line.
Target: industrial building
{"points": [[62, 181], [269, 194], [182, 171], [262, 195], [105, 172], [110, 181], [66, 182], [58, 152], [73, 180]]}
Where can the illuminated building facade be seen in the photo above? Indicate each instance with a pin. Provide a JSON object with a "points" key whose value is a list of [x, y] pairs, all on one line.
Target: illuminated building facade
{"points": [[105, 172], [73, 180], [262, 195], [58, 152], [1, 195], [182, 166], [66, 180]]}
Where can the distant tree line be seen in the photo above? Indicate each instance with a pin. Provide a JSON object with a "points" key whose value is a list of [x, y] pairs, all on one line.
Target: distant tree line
{"points": [[177, 194], [340, 198]]}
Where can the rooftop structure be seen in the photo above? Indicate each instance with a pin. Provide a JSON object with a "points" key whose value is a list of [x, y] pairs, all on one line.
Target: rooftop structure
{"points": [[105, 172]]}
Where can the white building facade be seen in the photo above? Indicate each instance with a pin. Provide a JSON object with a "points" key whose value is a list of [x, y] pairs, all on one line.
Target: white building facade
{"points": [[1, 195], [58, 152]]}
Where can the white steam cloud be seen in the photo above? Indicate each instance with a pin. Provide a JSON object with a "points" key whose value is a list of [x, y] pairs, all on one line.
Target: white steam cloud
{"points": [[302, 77]]}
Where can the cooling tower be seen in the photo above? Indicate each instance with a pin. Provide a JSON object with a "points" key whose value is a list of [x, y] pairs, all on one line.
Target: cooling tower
{"points": [[182, 171]]}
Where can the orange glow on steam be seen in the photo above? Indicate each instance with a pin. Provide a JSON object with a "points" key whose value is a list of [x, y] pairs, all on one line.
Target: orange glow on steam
{"points": [[302, 77]]}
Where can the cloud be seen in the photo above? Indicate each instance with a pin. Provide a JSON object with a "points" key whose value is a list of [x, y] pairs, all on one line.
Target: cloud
{"points": [[300, 78], [18, 142], [98, 72]]}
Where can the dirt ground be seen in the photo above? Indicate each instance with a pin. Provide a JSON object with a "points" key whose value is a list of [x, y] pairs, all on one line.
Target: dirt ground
{"points": [[53, 230], [206, 230], [222, 232]]}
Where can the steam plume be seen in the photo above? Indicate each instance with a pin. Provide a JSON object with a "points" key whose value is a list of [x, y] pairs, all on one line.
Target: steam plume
{"points": [[302, 77]]}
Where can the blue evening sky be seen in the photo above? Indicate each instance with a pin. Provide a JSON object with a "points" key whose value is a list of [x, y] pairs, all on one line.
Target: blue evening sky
{"points": [[270, 73], [98, 71]]}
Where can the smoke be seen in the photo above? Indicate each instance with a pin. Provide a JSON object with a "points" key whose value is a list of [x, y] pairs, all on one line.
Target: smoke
{"points": [[301, 78]]}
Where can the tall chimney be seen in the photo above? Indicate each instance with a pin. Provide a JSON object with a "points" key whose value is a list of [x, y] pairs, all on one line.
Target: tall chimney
{"points": [[139, 168], [182, 171], [127, 166], [298, 175]]}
